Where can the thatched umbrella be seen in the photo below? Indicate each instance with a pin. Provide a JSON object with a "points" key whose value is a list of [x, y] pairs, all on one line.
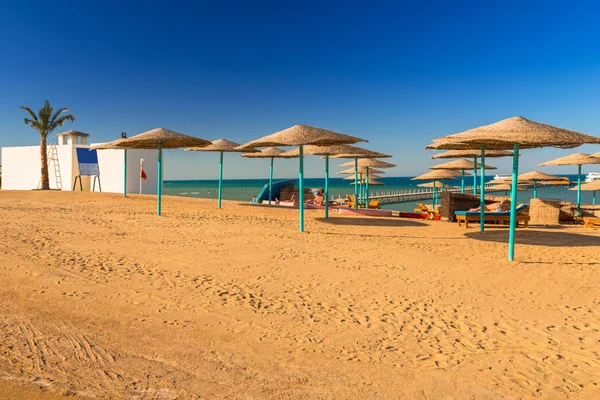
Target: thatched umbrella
{"points": [[221, 146], [591, 186], [462, 165], [437, 175], [437, 185], [329, 151], [512, 133], [361, 171], [302, 135], [161, 138], [578, 159], [536, 176], [272, 153], [472, 154], [114, 145], [372, 182], [504, 186], [366, 162]]}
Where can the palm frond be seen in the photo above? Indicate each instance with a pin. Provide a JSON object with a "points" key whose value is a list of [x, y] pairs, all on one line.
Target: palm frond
{"points": [[61, 120], [52, 123], [30, 111]]}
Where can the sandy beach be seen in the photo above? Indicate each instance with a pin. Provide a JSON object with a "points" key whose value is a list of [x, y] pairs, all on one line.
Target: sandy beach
{"points": [[100, 298]]}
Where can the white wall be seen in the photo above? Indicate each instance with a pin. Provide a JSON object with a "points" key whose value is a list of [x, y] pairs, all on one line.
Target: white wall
{"points": [[110, 163], [21, 167]]}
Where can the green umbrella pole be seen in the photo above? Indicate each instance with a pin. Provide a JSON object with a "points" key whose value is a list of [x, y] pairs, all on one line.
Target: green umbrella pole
{"points": [[579, 190], [326, 186], [462, 182], [271, 181], [482, 191], [125, 173], [356, 183], [360, 190], [159, 184], [475, 175], [513, 204], [301, 194], [220, 179], [434, 195], [594, 198], [367, 190], [535, 189]]}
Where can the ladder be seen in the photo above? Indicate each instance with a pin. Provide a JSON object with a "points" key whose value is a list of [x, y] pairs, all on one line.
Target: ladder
{"points": [[53, 159]]}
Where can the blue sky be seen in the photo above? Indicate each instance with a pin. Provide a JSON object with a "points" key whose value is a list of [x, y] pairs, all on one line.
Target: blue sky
{"points": [[398, 74]]}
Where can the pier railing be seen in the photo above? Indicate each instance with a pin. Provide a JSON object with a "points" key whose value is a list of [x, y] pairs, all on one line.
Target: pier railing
{"points": [[402, 196]]}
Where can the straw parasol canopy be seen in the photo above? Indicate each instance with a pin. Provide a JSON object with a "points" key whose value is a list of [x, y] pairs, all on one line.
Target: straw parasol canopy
{"points": [[472, 153], [436, 174], [108, 145], [591, 186], [540, 177], [300, 135], [336, 150], [369, 162], [436, 184], [361, 170], [504, 186], [372, 182], [460, 165], [162, 137], [222, 145], [269, 152], [503, 135], [351, 177], [573, 159]]}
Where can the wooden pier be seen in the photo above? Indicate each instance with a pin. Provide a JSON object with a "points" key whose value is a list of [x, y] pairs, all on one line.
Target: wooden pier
{"points": [[403, 196]]}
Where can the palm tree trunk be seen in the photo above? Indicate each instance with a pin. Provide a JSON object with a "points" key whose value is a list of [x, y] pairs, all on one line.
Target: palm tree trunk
{"points": [[44, 157]]}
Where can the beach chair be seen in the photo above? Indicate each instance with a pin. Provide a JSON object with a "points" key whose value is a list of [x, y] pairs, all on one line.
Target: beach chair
{"points": [[422, 209], [497, 217], [374, 204], [351, 200], [591, 222]]}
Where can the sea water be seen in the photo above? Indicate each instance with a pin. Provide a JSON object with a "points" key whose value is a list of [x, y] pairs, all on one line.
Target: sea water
{"points": [[243, 190]]}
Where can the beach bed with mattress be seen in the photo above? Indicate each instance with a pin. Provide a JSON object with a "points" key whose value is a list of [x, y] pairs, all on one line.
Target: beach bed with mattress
{"points": [[497, 217]]}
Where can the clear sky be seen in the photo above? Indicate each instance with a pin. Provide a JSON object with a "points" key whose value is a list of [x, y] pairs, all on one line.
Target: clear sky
{"points": [[397, 73]]}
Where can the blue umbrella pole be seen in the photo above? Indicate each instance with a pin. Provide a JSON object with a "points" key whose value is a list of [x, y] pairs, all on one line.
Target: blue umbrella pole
{"points": [[220, 179], [356, 183], [159, 183], [301, 194], [535, 189], [367, 190], [513, 205], [475, 175], [271, 181], [326, 186], [434, 195], [579, 190], [462, 182], [594, 198], [360, 191], [125, 173]]}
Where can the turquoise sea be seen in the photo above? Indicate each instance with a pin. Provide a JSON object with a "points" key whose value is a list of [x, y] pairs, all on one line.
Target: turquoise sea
{"points": [[244, 189]]}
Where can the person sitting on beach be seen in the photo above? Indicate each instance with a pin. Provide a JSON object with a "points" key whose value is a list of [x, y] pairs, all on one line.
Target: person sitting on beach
{"points": [[503, 206]]}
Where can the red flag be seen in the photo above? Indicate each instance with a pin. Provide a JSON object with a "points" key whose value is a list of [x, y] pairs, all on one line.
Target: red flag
{"points": [[142, 173]]}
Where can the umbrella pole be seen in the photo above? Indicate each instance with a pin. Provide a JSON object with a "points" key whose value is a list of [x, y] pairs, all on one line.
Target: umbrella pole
{"points": [[271, 181], [462, 182], [482, 191], [367, 190], [159, 184], [535, 189], [125, 173], [434, 199], [513, 205], [326, 186], [360, 191], [301, 194], [356, 183], [475, 175], [578, 190], [220, 179], [594, 198]]}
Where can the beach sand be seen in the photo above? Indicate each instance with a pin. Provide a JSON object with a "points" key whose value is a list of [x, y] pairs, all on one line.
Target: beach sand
{"points": [[101, 298]]}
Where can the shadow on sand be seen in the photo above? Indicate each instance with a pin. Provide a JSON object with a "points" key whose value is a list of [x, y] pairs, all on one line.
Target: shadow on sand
{"points": [[538, 238], [370, 222]]}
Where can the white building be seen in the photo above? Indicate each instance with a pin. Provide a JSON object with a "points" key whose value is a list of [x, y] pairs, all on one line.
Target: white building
{"points": [[21, 167]]}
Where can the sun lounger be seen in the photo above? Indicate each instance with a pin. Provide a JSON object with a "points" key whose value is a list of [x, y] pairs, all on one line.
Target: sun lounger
{"points": [[591, 222], [491, 217], [422, 209]]}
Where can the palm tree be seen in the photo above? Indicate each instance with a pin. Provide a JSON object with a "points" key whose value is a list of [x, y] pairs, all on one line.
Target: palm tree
{"points": [[46, 121]]}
